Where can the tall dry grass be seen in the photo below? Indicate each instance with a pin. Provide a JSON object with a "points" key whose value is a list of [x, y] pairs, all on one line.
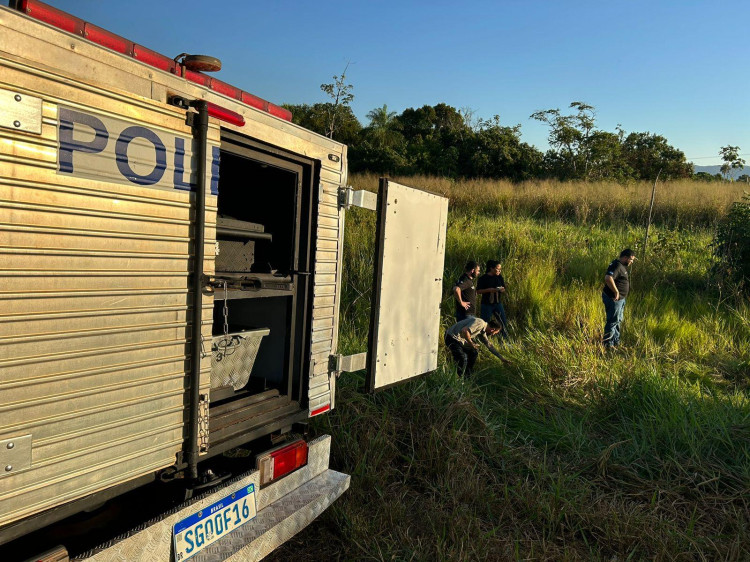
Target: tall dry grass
{"points": [[678, 204]]}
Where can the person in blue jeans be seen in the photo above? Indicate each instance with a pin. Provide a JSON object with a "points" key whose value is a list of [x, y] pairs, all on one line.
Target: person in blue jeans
{"points": [[616, 289], [491, 286]]}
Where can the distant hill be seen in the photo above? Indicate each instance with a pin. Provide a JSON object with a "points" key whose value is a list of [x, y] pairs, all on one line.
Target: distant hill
{"points": [[717, 170]]}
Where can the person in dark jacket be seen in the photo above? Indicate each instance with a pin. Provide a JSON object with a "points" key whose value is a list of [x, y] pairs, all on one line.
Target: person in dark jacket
{"points": [[465, 293], [491, 285], [616, 289]]}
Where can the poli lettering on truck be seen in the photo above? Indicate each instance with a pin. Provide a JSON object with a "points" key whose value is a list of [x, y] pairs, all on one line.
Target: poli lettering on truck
{"points": [[105, 148]]}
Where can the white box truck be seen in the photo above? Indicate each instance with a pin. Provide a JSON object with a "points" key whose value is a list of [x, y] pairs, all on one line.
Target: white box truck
{"points": [[170, 275]]}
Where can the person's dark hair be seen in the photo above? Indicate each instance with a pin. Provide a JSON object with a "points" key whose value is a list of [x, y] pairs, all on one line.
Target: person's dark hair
{"points": [[495, 322], [491, 264], [470, 265], [626, 253]]}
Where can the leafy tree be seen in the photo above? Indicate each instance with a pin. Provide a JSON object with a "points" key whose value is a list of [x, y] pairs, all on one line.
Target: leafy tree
{"points": [[434, 136], [581, 151], [569, 136], [315, 118], [381, 147], [383, 128], [744, 177], [495, 151], [605, 155], [380, 159], [732, 244], [705, 176], [732, 161], [341, 97], [647, 153]]}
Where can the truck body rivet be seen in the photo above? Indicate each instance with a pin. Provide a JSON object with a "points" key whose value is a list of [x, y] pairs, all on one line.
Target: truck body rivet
{"points": [[8, 468], [17, 97], [16, 123], [11, 445]]}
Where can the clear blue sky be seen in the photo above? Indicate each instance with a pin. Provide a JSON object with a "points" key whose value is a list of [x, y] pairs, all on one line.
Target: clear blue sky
{"points": [[679, 68]]}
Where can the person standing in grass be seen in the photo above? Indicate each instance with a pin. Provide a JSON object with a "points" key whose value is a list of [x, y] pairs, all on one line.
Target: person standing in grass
{"points": [[491, 285], [616, 288], [461, 339], [465, 293]]}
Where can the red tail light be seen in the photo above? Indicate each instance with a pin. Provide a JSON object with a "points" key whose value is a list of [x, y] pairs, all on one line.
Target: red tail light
{"points": [[278, 463], [225, 114]]}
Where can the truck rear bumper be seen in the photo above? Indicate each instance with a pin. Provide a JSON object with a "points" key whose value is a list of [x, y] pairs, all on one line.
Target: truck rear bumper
{"points": [[280, 521], [283, 509]]}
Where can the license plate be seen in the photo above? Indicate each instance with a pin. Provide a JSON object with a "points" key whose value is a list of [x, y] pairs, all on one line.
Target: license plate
{"points": [[194, 533]]}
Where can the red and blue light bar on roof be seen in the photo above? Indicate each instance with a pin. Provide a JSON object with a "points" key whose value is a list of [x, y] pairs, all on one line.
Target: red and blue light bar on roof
{"points": [[62, 20]]}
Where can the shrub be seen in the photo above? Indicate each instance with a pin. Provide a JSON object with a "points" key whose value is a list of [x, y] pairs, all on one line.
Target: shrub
{"points": [[732, 244]]}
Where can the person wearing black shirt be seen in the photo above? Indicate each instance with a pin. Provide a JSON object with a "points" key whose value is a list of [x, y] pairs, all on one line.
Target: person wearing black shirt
{"points": [[465, 293], [616, 288], [491, 285]]}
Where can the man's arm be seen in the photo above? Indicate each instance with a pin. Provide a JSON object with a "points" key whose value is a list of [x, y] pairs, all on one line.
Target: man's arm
{"points": [[466, 334], [483, 338], [609, 281], [484, 289], [460, 299]]}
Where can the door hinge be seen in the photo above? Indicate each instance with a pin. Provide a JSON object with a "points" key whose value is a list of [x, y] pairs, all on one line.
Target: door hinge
{"points": [[338, 364], [348, 197]]}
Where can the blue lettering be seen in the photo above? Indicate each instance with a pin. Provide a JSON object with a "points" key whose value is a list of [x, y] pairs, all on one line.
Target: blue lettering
{"points": [[227, 518], [199, 537], [236, 514], [68, 144], [219, 524], [215, 161], [121, 153], [189, 540], [209, 528], [179, 165]]}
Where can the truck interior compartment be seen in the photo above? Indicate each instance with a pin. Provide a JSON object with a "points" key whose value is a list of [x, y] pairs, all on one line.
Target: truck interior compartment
{"points": [[264, 196], [263, 233]]}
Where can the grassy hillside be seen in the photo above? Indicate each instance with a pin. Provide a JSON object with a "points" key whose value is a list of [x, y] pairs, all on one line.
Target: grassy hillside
{"points": [[569, 452]]}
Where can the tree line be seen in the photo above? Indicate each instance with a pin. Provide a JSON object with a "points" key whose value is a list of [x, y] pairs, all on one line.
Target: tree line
{"points": [[441, 140]]}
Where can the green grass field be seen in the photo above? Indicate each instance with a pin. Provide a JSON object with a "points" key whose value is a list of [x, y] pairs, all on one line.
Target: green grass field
{"points": [[570, 452]]}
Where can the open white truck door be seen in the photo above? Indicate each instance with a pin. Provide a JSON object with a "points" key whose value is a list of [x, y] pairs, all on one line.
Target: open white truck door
{"points": [[407, 286]]}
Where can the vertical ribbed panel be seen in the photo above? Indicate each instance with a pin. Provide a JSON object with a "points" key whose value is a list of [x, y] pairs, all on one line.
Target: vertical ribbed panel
{"points": [[94, 309], [327, 279]]}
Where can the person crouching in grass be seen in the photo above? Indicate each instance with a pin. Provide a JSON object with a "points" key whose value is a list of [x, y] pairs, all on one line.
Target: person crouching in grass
{"points": [[464, 337]]}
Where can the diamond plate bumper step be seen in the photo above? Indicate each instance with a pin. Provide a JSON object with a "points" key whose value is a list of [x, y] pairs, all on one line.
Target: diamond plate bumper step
{"points": [[278, 522], [284, 508]]}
